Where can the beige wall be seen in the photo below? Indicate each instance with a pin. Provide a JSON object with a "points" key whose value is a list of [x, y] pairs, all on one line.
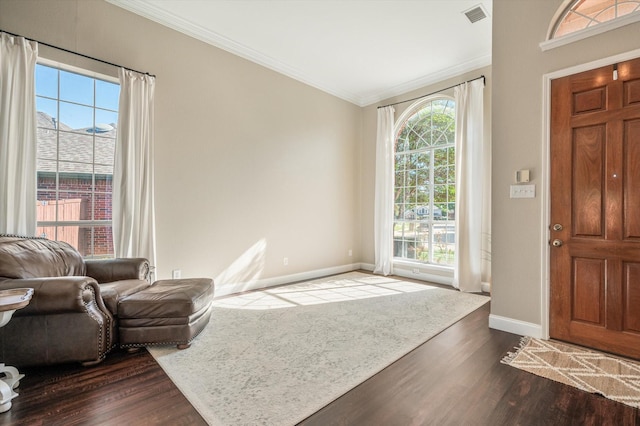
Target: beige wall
{"points": [[251, 166], [517, 110]]}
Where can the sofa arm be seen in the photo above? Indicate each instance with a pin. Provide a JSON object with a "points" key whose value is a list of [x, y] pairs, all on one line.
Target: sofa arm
{"points": [[57, 295], [110, 270]]}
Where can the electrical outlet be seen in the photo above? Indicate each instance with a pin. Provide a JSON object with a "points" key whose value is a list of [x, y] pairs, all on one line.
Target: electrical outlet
{"points": [[416, 271], [285, 261], [350, 252], [176, 274]]}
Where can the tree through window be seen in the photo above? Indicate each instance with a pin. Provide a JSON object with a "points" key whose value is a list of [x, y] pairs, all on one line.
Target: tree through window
{"points": [[424, 198]]}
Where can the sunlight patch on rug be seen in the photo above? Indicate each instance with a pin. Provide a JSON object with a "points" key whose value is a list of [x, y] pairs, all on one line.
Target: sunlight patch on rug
{"points": [[318, 292], [276, 356], [591, 371]]}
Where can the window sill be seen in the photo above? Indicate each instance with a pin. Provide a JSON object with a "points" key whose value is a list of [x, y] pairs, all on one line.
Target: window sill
{"points": [[425, 272]]}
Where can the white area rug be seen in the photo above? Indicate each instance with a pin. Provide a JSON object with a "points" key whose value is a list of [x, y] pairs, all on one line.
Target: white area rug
{"points": [[275, 357]]}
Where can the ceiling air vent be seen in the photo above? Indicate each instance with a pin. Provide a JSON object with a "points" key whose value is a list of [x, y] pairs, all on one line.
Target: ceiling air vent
{"points": [[476, 13]]}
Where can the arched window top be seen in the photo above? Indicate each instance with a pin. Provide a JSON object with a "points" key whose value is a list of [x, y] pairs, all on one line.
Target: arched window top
{"points": [[582, 14], [427, 123], [579, 19]]}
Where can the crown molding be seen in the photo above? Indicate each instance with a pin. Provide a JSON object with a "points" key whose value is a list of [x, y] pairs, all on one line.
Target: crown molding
{"points": [[428, 80], [155, 14]]}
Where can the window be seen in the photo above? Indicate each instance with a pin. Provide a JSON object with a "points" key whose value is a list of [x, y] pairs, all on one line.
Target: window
{"points": [[425, 193], [582, 14], [77, 116]]}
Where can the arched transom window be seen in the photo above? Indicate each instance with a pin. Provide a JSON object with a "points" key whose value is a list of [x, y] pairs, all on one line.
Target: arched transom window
{"points": [[582, 14], [424, 198]]}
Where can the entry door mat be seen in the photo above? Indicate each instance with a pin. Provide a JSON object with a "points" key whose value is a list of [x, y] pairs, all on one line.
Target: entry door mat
{"points": [[612, 377]]}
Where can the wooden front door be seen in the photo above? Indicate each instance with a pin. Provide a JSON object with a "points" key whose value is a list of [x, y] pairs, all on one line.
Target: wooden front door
{"points": [[595, 209]]}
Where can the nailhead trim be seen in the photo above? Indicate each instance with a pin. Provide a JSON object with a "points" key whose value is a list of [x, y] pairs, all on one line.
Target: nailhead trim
{"points": [[22, 236]]}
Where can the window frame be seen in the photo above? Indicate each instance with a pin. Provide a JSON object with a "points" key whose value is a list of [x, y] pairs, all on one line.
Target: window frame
{"points": [[437, 268], [89, 223], [552, 43]]}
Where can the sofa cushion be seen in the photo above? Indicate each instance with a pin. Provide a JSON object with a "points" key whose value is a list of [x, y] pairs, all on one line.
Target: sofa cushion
{"points": [[22, 257], [113, 292], [168, 299]]}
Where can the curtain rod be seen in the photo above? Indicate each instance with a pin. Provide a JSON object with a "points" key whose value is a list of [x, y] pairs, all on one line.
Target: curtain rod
{"points": [[76, 53], [437, 91]]}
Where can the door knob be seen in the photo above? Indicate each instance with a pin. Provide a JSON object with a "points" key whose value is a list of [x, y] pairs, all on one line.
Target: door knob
{"points": [[557, 227], [556, 243]]}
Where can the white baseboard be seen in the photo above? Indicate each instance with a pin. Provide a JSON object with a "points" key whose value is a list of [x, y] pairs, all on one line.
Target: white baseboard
{"points": [[514, 326], [422, 275], [318, 273], [367, 266], [408, 273], [284, 279]]}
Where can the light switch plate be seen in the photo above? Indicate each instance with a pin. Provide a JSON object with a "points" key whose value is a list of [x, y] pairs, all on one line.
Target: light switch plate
{"points": [[522, 191]]}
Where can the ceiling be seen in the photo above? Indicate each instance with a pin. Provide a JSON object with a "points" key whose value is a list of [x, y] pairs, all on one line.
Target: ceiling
{"points": [[362, 51]]}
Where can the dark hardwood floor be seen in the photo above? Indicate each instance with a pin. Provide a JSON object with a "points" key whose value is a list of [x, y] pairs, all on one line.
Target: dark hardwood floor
{"points": [[456, 378], [125, 389]]}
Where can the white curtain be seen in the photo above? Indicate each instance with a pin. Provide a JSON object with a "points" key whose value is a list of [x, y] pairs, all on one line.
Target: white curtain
{"points": [[133, 198], [473, 197], [17, 135], [383, 230]]}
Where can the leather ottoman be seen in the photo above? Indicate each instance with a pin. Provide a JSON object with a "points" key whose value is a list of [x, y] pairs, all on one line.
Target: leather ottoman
{"points": [[169, 312]]}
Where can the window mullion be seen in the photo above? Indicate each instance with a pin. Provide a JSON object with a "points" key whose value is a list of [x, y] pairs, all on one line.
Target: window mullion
{"points": [[66, 149], [595, 14], [420, 179], [431, 195], [93, 176], [57, 190]]}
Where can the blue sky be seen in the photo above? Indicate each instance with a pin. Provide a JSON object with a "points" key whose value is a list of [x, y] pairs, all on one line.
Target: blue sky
{"points": [[70, 98]]}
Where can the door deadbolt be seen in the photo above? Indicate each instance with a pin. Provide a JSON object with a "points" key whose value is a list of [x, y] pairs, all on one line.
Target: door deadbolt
{"points": [[557, 227], [556, 243]]}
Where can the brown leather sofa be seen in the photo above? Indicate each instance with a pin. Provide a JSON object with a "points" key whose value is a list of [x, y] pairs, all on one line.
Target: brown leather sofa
{"points": [[72, 316]]}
